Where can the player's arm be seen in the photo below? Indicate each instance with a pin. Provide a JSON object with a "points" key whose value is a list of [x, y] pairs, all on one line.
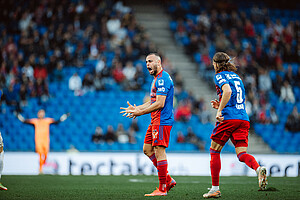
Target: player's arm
{"points": [[225, 98], [158, 104], [22, 119], [62, 118], [132, 108], [145, 105]]}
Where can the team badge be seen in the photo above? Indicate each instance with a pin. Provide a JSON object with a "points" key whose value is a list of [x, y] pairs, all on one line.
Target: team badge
{"points": [[155, 134]]}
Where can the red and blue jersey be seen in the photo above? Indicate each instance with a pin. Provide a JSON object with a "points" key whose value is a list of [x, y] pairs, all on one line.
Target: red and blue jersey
{"points": [[162, 84], [235, 108]]}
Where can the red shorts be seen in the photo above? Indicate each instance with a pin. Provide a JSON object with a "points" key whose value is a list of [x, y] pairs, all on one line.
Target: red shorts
{"points": [[158, 135], [236, 130]]}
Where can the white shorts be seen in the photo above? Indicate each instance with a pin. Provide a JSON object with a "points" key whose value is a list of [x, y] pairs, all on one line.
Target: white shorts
{"points": [[1, 141]]}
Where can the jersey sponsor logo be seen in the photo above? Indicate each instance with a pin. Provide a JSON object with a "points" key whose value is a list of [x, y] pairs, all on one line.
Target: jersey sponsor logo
{"points": [[240, 106], [160, 82], [162, 89], [231, 76]]}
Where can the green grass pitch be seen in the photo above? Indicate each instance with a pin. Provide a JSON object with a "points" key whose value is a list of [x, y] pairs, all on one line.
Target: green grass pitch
{"points": [[134, 187]]}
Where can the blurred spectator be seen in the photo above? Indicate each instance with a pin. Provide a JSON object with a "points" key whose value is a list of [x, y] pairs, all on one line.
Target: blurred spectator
{"points": [[75, 82], [194, 139], [23, 95], [180, 137], [297, 77], [286, 93], [293, 121], [132, 135], [262, 115], [88, 83], [129, 71], [122, 135], [100, 65], [139, 77], [273, 116], [183, 112], [204, 115], [40, 70], [134, 125], [98, 136], [277, 84], [110, 135], [289, 76], [113, 24], [12, 97], [58, 74], [41, 90], [264, 81], [118, 72], [98, 82], [28, 71]]}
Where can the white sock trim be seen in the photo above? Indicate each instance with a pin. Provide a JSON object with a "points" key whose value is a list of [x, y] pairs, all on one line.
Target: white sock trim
{"points": [[215, 187], [257, 170], [1, 162]]}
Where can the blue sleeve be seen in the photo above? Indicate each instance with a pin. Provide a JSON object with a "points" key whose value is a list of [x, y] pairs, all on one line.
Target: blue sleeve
{"points": [[0, 93], [162, 86], [220, 80]]}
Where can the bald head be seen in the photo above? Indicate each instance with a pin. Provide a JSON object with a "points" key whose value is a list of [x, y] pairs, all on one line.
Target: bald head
{"points": [[153, 62]]}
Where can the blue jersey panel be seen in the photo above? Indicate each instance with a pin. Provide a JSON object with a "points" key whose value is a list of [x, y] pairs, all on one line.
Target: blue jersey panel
{"points": [[165, 86], [235, 108]]}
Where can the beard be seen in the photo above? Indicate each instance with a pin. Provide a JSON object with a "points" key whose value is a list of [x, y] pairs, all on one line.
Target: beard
{"points": [[153, 70]]}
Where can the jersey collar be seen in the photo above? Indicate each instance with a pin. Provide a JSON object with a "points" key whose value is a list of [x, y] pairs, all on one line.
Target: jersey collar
{"points": [[159, 73]]}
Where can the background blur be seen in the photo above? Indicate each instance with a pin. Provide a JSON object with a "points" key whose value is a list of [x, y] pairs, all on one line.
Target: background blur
{"points": [[88, 58]]}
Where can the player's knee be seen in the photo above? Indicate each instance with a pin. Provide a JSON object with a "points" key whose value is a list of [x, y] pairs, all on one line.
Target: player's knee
{"points": [[148, 152], [1, 149]]}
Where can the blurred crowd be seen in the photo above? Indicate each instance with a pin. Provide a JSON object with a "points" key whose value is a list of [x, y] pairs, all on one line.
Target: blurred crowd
{"points": [[39, 38], [258, 42], [120, 135]]}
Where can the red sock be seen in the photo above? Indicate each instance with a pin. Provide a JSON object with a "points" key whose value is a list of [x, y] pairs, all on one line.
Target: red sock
{"points": [[215, 167], [162, 167], [248, 159], [154, 160]]}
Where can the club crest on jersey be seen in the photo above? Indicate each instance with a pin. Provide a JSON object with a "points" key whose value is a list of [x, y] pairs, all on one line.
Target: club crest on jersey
{"points": [[155, 134], [160, 82]]}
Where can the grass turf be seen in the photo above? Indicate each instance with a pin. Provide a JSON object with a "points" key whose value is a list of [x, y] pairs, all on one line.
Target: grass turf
{"points": [[134, 187]]}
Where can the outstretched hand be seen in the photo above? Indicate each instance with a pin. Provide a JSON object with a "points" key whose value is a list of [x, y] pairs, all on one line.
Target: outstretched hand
{"points": [[64, 117], [128, 111], [215, 103]]}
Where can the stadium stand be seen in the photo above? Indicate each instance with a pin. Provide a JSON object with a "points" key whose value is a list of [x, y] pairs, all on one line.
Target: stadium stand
{"points": [[51, 41], [44, 43], [264, 42]]}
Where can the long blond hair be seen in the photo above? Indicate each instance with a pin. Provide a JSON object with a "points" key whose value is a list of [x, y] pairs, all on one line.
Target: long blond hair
{"points": [[223, 62]]}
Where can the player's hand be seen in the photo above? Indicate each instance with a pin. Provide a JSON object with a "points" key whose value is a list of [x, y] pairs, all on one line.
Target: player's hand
{"points": [[20, 117], [63, 117], [134, 113], [125, 110], [219, 116], [215, 104]]}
